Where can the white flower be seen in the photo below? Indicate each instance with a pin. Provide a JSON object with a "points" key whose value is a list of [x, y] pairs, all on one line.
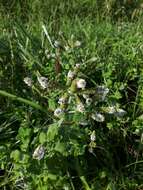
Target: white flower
{"points": [[39, 152], [58, 112], [90, 149], [62, 100], [77, 43], [111, 109], [43, 82], [116, 111], [120, 112], [57, 44], [67, 48], [80, 108], [71, 74], [53, 55], [102, 91], [28, 81], [98, 117], [88, 101], [77, 65], [93, 136], [81, 83]]}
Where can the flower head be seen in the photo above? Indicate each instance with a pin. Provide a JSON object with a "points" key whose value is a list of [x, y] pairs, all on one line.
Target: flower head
{"points": [[102, 91], [62, 101], [98, 117], [111, 110], [80, 108], [81, 83], [39, 152], [28, 81], [43, 82], [70, 75], [115, 111], [88, 101], [77, 43], [58, 112], [57, 44], [120, 112], [93, 136], [78, 65]]}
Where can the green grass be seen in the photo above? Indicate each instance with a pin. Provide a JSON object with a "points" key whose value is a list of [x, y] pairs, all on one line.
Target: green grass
{"points": [[111, 54]]}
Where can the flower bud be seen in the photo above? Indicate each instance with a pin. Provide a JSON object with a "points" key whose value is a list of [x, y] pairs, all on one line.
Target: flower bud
{"points": [[39, 152], [28, 81], [93, 136]]}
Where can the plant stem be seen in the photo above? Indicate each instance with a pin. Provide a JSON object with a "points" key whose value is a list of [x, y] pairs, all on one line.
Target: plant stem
{"points": [[81, 176], [14, 97]]}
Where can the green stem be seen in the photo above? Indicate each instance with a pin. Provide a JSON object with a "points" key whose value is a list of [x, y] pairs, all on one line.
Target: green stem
{"points": [[138, 162], [81, 176], [28, 102]]}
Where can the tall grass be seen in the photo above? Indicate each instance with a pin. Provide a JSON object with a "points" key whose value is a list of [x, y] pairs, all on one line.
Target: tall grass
{"points": [[111, 54]]}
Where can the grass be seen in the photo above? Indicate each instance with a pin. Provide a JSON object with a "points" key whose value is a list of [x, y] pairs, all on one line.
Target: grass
{"points": [[110, 54]]}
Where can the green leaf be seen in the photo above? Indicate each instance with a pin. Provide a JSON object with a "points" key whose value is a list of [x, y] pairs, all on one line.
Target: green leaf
{"points": [[52, 132], [51, 104], [42, 137], [15, 155], [61, 148], [52, 176]]}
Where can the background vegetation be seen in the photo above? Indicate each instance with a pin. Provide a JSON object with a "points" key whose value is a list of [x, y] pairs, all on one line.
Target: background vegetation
{"points": [[111, 54]]}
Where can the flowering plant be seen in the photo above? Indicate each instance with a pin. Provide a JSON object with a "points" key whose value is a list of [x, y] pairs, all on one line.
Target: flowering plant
{"points": [[75, 114]]}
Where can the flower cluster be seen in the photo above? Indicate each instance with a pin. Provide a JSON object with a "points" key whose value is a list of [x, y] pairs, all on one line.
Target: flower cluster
{"points": [[43, 81], [76, 89]]}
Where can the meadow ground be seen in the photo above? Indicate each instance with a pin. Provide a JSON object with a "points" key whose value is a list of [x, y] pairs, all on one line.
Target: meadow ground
{"points": [[71, 96]]}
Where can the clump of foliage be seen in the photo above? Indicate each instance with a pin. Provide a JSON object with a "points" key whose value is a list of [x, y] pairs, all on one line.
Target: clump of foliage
{"points": [[71, 102]]}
